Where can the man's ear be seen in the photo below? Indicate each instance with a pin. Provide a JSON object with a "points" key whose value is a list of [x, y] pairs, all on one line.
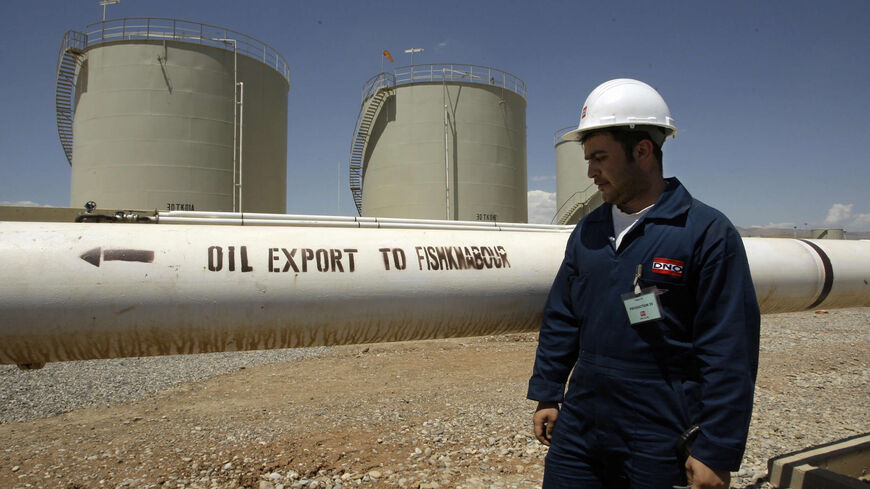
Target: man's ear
{"points": [[643, 151]]}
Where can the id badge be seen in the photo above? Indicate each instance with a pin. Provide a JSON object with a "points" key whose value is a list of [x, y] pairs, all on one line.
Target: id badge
{"points": [[642, 307]]}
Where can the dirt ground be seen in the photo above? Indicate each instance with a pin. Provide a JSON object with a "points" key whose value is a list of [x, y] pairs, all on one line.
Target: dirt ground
{"points": [[413, 415], [352, 411]]}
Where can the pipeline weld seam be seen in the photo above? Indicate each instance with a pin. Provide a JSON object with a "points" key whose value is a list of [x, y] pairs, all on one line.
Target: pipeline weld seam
{"points": [[829, 274]]}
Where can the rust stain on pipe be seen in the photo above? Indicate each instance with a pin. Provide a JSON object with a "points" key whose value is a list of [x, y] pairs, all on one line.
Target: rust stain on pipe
{"points": [[186, 340]]}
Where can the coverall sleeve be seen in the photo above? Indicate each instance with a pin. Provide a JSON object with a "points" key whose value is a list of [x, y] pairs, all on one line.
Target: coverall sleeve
{"points": [[558, 340], [725, 338]]}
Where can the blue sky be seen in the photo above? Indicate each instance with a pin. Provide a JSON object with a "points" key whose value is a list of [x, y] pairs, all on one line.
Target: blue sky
{"points": [[771, 97]]}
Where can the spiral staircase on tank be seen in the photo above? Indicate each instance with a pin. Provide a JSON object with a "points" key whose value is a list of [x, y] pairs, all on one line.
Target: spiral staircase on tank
{"points": [[578, 205], [377, 90], [69, 62]]}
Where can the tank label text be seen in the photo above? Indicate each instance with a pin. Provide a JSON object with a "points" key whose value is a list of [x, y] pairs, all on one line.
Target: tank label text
{"points": [[461, 257], [398, 258], [305, 259], [346, 260], [179, 206], [216, 258]]}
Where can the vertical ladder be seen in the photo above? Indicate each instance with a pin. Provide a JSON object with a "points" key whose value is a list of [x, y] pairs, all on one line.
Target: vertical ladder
{"points": [[68, 63], [364, 122]]}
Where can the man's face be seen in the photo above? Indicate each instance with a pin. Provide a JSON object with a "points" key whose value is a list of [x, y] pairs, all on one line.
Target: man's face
{"points": [[619, 179]]}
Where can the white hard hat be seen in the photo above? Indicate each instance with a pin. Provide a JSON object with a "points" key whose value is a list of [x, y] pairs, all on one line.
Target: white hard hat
{"points": [[625, 102]]}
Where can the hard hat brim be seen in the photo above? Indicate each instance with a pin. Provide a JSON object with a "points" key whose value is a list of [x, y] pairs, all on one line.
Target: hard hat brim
{"points": [[577, 134]]}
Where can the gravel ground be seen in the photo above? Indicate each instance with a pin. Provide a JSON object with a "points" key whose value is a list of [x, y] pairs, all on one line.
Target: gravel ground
{"points": [[61, 387], [420, 415]]}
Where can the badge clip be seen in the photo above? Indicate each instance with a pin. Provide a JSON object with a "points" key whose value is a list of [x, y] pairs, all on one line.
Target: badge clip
{"points": [[642, 305], [637, 279]]}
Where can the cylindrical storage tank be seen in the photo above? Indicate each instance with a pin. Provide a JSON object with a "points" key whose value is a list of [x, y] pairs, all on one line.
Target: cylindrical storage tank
{"points": [[444, 142], [171, 114], [576, 194]]}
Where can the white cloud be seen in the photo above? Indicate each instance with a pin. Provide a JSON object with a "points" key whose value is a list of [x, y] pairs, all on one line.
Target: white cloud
{"points": [[442, 44], [543, 178], [838, 214], [23, 203], [542, 206], [861, 223], [842, 216]]}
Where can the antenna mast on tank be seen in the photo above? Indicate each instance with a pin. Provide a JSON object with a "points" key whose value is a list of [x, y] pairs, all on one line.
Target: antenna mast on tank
{"points": [[104, 3], [412, 51]]}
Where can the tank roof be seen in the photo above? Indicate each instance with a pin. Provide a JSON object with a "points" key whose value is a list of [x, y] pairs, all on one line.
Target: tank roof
{"points": [[163, 29], [450, 72]]}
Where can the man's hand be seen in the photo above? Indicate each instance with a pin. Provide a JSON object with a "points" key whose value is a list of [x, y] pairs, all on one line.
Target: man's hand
{"points": [[702, 477], [544, 420]]}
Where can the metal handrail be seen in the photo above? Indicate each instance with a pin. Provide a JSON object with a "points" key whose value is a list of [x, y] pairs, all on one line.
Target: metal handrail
{"points": [[377, 82], [557, 136], [157, 28], [71, 40], [68, 63], [359, 141], [405, 75], [238, 218], [571, 204]]}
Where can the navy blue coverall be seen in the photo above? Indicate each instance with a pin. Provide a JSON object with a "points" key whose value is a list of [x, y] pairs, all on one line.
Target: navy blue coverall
{"points": [[636, 388]]}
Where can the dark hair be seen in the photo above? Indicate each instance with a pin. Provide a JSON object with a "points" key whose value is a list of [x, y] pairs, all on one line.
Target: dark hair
{"points": [[628, 139]]}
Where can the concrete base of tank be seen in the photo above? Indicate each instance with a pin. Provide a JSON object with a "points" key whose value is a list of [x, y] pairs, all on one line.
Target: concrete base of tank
{"points": [[844, 464]]}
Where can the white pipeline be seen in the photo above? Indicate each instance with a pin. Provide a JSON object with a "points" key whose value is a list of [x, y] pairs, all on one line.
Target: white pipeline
{"points": [[801, 274], [84, 291]]}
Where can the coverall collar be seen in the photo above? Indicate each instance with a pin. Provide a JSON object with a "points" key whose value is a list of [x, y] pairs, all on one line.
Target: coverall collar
{"points": [[672, 203]]}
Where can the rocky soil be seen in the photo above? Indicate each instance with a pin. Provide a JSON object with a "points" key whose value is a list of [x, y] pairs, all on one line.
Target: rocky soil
{"points": [[433, 414]]}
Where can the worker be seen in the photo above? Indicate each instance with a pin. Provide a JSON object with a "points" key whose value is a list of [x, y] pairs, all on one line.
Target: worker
{"points": [[654, 310]]}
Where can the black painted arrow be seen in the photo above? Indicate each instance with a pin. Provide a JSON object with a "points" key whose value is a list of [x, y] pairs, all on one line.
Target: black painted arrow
{"points": [[93, 256]]}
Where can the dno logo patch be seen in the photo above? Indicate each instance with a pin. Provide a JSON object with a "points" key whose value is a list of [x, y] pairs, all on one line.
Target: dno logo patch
{"points": [[666, 266]]}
